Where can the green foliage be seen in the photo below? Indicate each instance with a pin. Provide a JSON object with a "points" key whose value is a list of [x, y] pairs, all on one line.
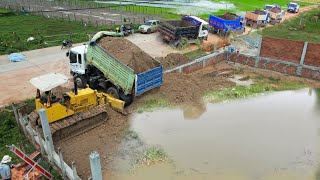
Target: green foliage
{"points": [[152, 104], [303, 28], [255, 89], [152, 154], [195, 54], [10, 134], [16, 29]]}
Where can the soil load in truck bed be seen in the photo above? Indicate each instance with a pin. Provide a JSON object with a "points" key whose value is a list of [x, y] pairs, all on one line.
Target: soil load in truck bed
{"points": [[128, 53]]}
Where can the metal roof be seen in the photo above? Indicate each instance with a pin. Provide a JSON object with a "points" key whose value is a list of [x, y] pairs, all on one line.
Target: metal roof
{"points": [[49, 81]]}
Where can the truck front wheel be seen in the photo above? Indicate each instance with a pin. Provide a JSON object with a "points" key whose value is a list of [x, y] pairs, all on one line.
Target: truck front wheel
{"points": [[81, 81], [112, 91]]}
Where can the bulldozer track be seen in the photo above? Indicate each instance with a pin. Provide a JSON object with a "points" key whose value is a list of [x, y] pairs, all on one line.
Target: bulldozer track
{"points": [[77, 123]]}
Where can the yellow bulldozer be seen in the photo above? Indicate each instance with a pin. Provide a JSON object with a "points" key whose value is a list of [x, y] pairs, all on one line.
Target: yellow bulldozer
{"points": [[65, 113]]}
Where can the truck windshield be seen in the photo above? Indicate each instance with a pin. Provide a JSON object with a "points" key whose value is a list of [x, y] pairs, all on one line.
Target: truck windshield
{"points": [[292, 5], [204, 27], [73, 57], [148, 23]]}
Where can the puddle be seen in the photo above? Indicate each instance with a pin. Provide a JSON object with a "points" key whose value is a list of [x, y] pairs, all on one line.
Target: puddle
{"points": [[274, 136], [241, 81]]}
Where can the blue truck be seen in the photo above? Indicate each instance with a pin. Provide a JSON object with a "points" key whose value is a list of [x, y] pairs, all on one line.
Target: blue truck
{"points": [[223, 24], [293, 7], [93, 65]]}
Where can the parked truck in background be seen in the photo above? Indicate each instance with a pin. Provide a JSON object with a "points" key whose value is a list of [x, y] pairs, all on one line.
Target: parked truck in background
{"points": [[293, 7], [187, 30], [276, 14], [223, 24], [257, 18], [93, 65]]}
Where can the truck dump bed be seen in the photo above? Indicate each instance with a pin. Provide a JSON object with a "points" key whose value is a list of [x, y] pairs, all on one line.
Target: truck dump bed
{"points": [[223, 22], [257, 15], [175, 28], [121, 74]]}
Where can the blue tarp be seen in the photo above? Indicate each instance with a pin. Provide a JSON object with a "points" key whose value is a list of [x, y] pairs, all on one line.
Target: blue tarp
{"points": [[17, 57]]}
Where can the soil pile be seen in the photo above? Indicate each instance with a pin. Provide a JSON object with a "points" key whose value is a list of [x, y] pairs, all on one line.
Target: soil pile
{"points": [[173, 60], [128, 53]]}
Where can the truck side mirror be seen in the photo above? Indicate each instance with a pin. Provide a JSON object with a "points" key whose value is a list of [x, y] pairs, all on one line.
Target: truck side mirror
{"points": [[67, 54]]}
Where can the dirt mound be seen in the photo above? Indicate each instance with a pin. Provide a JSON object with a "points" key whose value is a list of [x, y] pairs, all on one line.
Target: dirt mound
{"points": [[128, 53], [173, 60]]}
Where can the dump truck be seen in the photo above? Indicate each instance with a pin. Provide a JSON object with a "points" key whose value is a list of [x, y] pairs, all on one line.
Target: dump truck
{"points": [[67, 111], [189, 29], [293, 7], [257, 18], [93, 65], [223, 24], [276, 14]]}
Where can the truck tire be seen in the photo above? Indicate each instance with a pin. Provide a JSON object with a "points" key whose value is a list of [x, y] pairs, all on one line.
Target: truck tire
{"points": [[112, 91], [148, 31], [128, 99], [81, 81]]}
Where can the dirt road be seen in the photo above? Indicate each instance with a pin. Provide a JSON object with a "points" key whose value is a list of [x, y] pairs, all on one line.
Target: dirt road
{"points": [[154, 45], [14, 77]]}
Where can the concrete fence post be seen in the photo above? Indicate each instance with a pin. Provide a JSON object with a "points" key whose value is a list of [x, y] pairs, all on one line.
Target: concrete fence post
{"points": [[15, 111], [63, 169], [303, 55], [40, 141], [304, 52], [46, 132], [95, 165], [22, 123], [74, 170]]}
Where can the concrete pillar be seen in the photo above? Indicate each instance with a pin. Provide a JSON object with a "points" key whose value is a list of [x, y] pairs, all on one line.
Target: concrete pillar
{"points": [[46, 132], [95, 165], [304, 52]]}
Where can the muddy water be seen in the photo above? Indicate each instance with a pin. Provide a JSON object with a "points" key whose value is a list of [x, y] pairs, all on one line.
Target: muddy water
{"points": [[274, 136]]}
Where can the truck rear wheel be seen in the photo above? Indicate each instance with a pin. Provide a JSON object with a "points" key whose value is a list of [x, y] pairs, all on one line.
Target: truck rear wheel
{"points": [[128, 99], [112, 91]]}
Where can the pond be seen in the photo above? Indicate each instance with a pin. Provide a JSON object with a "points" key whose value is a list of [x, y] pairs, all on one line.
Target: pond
{"points": [[272, 136], [184, 7]]}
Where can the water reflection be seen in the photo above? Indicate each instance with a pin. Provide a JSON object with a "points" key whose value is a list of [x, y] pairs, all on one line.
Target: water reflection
{"points": [[268, 137]]}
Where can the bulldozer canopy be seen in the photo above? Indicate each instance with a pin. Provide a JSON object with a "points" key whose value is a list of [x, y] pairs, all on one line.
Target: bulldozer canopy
{"points": [[49, 81]]}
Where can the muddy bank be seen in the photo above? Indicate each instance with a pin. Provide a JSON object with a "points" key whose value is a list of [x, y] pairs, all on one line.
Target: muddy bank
{"points": [[173, 60], [179, 89]]}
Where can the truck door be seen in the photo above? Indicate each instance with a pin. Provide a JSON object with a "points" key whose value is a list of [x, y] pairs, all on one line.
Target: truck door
{"points": [[203, 32], [81, 64], [77, 63]]}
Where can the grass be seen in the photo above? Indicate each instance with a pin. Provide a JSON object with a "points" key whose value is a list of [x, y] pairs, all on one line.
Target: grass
{"points": [[195, 54], [10, 134], [152, 155], [16, 29], [152, 104], [309, 30], [236, 92]]}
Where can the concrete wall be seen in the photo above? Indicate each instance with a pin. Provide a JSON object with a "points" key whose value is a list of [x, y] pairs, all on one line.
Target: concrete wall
{"points": [[285, 67], [305, 64]]}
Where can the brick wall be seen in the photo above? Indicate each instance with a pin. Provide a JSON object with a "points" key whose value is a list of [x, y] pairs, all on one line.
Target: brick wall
{"points": [[288, 65], [284, 49], [312, 57]]}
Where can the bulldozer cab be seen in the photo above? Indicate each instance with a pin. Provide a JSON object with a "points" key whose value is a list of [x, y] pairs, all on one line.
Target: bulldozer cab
{"points": [[45, 84], [56, 107]]}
